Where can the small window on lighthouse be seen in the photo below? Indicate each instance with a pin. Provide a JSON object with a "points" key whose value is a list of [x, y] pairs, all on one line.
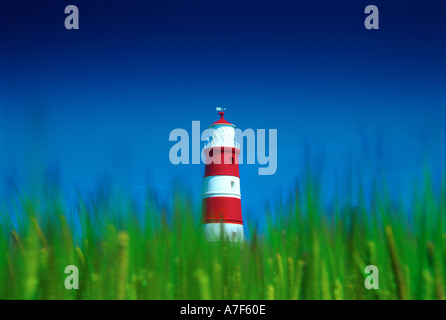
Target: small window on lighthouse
{"points": [[232, 184]]}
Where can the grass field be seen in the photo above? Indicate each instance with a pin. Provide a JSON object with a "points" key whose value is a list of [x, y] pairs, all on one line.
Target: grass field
{"points": [[305, 252]]}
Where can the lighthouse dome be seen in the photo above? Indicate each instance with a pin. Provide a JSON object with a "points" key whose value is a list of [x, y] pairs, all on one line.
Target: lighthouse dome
{"points": [[221, 121]]}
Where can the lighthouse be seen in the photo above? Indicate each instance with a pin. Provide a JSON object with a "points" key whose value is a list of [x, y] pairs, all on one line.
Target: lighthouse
{"points": [[222, 211]]}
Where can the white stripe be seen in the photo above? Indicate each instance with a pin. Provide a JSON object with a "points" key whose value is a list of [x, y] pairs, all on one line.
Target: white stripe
{"points": [[221, 186], [231, 231], [220, 195]]}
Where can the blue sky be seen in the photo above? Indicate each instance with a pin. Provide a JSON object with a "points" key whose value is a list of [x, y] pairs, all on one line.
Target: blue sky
{"points": [[103, 99]]}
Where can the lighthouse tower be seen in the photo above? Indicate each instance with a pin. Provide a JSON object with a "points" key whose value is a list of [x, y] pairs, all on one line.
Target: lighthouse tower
{"points": [[222, 212]]}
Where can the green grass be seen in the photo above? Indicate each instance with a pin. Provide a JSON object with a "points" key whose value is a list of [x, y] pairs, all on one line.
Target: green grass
{"points": [[305, 252]]}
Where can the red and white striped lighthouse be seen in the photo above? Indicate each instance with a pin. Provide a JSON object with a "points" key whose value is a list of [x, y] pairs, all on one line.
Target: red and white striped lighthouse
{"points": [[222, 211]]}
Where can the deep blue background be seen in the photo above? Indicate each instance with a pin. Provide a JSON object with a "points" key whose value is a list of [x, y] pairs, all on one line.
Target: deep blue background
{"points": [[103, 99]]}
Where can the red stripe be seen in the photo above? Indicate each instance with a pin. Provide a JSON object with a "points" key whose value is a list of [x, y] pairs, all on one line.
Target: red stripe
{"points": [[222, 209], [222, 221], [221, 161]]}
